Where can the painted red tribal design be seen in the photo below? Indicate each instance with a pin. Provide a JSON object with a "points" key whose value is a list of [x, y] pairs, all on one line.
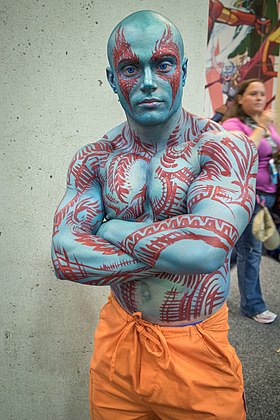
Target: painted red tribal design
{"points": [[202, 297], [164, 48], [128, 209], [74, 270], [221, 235], [123, 51], [83, 169]]}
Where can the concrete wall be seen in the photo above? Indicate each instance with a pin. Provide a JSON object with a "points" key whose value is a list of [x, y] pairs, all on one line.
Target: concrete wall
{"points": [[54, 99]]}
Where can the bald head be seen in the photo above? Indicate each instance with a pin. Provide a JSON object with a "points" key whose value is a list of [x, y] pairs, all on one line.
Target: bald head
{"points": [[147, 67], [150, 26]]}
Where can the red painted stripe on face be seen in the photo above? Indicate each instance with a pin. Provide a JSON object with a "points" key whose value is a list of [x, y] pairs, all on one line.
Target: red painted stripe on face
{"points": [[164, 47], [123, 51]]}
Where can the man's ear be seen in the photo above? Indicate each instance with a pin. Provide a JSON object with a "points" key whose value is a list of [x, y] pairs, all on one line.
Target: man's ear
{"points": [[184, 69], [111, 79]]}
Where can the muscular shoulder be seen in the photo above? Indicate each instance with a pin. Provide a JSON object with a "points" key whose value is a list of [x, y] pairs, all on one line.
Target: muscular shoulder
{"points": [[225, 146], [89, 159], [84, 168], [203, 130], [223, 136], [115, 132], [195, 126]]}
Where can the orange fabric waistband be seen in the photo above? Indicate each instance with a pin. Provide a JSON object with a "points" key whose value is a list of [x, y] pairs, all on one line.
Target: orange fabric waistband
{"points": [[155, 335], [217, 319]]}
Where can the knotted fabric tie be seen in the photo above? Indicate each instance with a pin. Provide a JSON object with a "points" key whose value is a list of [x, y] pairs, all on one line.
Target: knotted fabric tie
{"points": [[153, 339]]}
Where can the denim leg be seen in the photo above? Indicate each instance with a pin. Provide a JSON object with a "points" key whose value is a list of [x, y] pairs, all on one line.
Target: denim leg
{"points": [[249, 253]]}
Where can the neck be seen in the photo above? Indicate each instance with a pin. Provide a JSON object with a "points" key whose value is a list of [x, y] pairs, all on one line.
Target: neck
{"points": [[159, 136], [255, 117]]}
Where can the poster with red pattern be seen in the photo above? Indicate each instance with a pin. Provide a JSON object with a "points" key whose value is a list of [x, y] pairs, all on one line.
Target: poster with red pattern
{"points": [[243, 43]]}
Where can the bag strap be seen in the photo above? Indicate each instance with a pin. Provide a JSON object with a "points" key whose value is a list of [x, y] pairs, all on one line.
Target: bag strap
{"points": [[260, 200]]}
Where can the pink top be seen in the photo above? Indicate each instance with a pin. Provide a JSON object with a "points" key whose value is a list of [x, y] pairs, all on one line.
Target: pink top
{"points": [[264, 182]]}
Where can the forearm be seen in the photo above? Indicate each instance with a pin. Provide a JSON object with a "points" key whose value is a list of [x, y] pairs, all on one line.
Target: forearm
{"points": [[262, 128], [257, 134], [183, 244], [89, 259], [220, 202]]}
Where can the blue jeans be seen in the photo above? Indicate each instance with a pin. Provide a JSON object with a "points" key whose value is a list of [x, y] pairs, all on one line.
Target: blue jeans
{"points": [[249, 254]]}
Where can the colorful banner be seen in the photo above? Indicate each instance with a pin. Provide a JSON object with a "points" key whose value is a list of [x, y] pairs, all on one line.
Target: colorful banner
{"points": [[243, 43]]}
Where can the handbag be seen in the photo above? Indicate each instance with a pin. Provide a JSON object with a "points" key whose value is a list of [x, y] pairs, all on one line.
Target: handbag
{"points": [[265, 230]]}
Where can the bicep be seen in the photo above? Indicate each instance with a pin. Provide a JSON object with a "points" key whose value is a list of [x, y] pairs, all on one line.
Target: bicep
{"points": [[81, 208], [81, 211], [225, 187]]}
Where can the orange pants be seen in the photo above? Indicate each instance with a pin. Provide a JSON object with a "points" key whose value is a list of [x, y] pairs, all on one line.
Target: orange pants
{"points": [[143, 371]]}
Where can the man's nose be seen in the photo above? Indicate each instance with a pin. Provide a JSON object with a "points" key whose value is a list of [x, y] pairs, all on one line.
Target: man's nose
{"points": [[148, 80]]}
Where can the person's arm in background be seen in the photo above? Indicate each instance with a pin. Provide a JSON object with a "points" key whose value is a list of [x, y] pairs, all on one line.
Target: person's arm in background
{"points": [[262, 129], [220, 204]]}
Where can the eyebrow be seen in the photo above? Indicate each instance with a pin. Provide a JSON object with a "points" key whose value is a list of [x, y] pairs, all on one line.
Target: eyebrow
{"points": [[128, 60], [166, 56], [154, 58]]}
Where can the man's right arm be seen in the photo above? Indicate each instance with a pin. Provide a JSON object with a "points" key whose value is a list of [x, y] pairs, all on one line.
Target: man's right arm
{"points": [[78, 253]]}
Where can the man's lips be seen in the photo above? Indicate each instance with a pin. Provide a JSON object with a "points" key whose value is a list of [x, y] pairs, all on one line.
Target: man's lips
{"points": [[150, 102]]}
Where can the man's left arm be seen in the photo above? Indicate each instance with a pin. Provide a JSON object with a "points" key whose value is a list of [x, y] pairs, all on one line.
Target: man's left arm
{"points": [[220, 204]]}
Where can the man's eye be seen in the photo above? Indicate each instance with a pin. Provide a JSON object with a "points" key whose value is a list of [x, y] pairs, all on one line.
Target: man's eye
{"points": [[129, 71], [165, 67]]}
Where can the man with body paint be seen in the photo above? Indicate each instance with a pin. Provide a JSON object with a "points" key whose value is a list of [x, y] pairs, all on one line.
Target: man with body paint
{"points": [[153, 210]]}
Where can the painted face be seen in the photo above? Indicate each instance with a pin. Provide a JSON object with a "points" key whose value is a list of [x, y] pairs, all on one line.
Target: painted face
{"points": [[148, 73], [228, 70], [253, 99]]}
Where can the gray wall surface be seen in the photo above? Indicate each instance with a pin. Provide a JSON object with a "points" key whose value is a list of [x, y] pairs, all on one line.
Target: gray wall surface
{"points": [[54, 99]]}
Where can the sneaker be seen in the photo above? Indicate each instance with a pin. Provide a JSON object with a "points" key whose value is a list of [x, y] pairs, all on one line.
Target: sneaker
{"points": [[265, 317]]}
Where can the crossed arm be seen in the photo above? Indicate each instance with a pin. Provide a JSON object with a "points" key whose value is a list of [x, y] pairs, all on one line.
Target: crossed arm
{"points": [[220, 203], [79, 254]]}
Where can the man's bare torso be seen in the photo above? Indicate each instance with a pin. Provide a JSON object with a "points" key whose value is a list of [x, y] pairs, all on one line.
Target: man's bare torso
{"points": [[141, 184], [157, 223]]}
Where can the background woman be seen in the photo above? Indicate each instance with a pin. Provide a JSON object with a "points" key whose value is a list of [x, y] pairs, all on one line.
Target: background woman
{"points": [[249, 116]]}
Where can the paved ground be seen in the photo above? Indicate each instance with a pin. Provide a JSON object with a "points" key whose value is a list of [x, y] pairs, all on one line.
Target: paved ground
{"points": [[258, 346]]}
